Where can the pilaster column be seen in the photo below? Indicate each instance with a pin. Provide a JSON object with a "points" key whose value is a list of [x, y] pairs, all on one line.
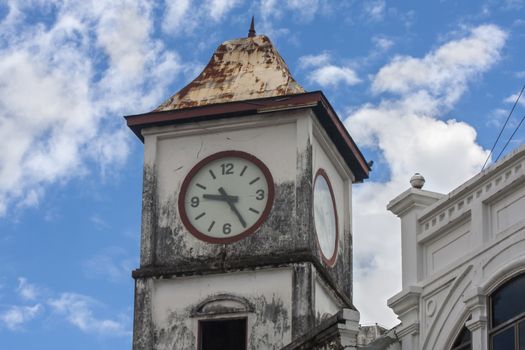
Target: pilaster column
{"points": [[476, 302], [349, 329], [406, 306]]}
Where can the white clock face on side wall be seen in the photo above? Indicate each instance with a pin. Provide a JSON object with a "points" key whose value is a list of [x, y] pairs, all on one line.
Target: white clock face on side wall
{"points": [[226, 197], [325, 217]]}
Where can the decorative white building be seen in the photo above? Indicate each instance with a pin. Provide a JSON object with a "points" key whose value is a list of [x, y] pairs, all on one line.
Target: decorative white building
{"points": [[246, 236], [463, 261]]}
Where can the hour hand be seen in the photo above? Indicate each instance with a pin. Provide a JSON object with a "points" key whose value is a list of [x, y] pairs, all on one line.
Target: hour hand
{"points": [[221, 197]]}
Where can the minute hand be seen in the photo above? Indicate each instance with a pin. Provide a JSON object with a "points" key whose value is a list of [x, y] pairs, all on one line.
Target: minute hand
{"points": [[232, 206]]}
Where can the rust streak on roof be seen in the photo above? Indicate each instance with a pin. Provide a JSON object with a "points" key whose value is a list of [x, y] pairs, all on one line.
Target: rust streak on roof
{"points": [[240, 69]]}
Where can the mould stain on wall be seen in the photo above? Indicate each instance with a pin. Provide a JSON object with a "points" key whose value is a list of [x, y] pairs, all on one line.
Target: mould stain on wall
{"points": [[175, 334], [149, 216], [269, 326], [175, 245]]}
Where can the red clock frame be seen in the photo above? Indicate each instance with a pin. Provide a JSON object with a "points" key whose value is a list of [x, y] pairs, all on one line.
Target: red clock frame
{"points": [[182, 194], [330, 261]]}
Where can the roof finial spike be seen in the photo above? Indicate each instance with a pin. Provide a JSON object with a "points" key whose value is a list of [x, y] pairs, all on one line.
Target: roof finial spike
{"points": [[251, 32]]}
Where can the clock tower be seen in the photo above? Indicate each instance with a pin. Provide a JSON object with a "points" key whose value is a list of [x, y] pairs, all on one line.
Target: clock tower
{"points": [[246, 236]]}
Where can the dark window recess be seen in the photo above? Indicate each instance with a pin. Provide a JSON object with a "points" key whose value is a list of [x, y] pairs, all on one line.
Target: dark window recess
{"points": [[223, 334], [463, 340], [508, 301], [503, 340], [507, 307]]}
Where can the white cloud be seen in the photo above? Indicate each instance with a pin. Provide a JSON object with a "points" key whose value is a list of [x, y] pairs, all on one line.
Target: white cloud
{"points": [[269, 8], [179, 18], [513, 4], [64, 87], [113, 264], [413, 142], [406, 131], [78, 310], [382, 43], [27, 290], [332, 75], [512, 99], [219, 8], [98, 222], [274, 11], [443, 73], [375, 10], [186, 16], [497, 117], [14, 317], [326, 74], [303, 10], [310, 61]]}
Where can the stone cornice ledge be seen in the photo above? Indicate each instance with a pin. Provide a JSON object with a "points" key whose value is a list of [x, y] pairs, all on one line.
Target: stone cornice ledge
{"points": [[410, 329], [406, 300], [406, 305], [478, 181], [474, 325], [413, 197]]}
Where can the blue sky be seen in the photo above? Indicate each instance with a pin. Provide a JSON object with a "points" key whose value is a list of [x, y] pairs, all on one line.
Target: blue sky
{"points": [[421, 85]]}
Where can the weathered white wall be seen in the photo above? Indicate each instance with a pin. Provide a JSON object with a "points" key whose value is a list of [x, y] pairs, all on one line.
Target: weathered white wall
{"points": [[293, 146], [470, 241], [271, 140], [278, 139], [326, 304], [269, 290]]}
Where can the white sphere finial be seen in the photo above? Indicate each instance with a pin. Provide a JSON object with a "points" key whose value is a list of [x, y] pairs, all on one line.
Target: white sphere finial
{"points": [[417, 181]]}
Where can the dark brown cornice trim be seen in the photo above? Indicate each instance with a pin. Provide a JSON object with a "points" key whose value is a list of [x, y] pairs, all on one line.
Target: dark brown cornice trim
{"points": [[315, 100]]}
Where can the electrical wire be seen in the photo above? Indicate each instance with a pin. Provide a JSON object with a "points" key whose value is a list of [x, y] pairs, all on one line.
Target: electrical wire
{"points": [[503, 128], [510, 138]]}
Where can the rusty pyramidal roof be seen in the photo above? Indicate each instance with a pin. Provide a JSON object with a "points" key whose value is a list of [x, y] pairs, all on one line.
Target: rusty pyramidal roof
{"points": [[240, 69], [244, 77]]}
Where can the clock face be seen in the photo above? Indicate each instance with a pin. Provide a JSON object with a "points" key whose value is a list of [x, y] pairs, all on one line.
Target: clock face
{"points": [[226, 197], [325, 217]]}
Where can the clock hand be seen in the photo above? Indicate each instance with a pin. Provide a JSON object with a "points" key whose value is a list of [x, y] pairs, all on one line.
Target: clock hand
{"points": [[232, 206], [221, 197]]}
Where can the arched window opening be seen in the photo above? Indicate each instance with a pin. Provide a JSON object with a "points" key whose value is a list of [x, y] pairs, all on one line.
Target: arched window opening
{"points": [[463, 340], [507, 316], [223, 322]]}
